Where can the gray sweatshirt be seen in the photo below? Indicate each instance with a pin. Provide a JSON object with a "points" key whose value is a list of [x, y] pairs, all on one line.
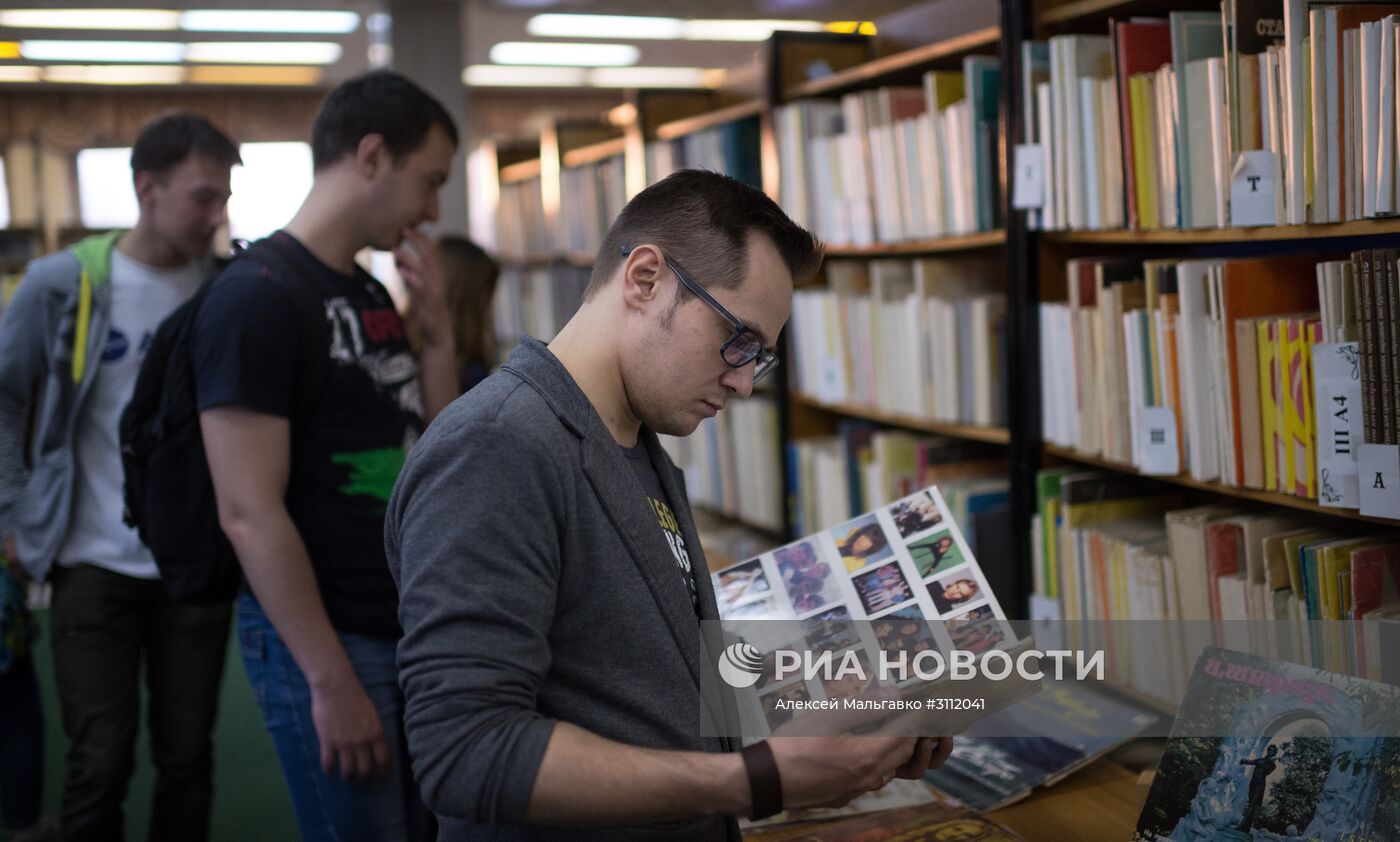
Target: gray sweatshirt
{"points": [[536, 587]]}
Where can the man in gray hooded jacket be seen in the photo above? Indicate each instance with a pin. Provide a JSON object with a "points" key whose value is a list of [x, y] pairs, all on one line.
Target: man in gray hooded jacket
{"points": [[71, 345]]}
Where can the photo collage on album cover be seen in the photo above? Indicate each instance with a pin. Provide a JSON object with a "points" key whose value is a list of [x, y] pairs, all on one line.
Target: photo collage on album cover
{"points": [[904, 568]]}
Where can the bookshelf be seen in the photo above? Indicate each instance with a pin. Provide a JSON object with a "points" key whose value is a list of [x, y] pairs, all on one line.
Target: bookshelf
{"points": [[942, 245], [901, 65], [990, 435], [1030, 264], [1271, 498]]}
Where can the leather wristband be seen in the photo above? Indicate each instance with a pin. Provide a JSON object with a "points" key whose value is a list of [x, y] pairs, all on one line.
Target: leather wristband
{"points": [[765, 785]]}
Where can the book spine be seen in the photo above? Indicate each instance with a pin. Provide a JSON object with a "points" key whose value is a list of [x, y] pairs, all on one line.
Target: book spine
{"points": [[1369, 397], [1394, 297], [1385, 343]]}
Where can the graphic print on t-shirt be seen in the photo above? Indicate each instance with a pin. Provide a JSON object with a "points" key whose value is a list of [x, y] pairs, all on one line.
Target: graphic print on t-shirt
{"points": [[666, 519], [394, 372]]}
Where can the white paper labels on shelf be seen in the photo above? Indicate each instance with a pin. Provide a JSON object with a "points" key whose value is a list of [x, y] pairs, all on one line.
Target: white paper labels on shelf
{"points": [[1337, 401]]}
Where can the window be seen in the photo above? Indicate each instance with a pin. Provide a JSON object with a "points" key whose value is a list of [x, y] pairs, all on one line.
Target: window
{"points": [[268, 188], [105, 195]]}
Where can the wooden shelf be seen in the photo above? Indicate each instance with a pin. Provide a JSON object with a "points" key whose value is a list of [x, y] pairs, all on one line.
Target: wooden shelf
{"points": [[1360, 228], [1272, 498], [966, 242], [880, 69], [1081, 10], [993, 435], [596, 152], [521, 171], [690, 125]]}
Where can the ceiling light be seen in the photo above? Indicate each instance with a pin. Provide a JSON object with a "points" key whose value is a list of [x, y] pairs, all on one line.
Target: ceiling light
{"points": [[140, 51], [19, 73], [858, 27], [499, 76], [269, 20], [538, 53], [115, 74], [264, 52], [242, 74], [648, 77], [603, 26], [743, 30], [148, 19], [622, 115]]}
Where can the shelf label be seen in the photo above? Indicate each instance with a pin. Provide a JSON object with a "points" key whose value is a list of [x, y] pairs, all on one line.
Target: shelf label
{"points": [[1380, 480], [1028, 190], [1252, 189], [1337, 401], [1157, 441]]}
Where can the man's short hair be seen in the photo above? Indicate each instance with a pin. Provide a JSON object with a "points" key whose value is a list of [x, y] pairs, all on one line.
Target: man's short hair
{"points": [[381, 102], [702, 220], [169, 139]]}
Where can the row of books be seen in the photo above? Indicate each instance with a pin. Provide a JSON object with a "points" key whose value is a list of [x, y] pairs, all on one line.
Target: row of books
{"points": [[590, 198], [1269, 112], [520, 220], [536, 301], [1218, 355], [731, 462], [731, 148], [919, 338], [895, 163], [1109, 547]]}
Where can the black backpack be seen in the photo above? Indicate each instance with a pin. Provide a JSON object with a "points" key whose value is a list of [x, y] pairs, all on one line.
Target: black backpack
{"points": [[169, 494]]}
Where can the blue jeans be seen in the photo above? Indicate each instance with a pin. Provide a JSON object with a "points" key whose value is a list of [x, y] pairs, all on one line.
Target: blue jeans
{"points": [[385, 808]]}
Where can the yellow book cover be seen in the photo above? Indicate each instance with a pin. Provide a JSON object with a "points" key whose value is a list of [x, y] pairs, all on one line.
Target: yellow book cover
{"points": [[1268, 400], [942, 88], [1286, 370], [1052, 548], [1144, 149], [1311, 331]]}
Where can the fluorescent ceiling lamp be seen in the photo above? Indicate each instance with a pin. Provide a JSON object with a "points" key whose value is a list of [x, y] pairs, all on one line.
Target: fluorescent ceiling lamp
{"points": [[269, 20], [263, 52], [604, 26], [138, 51], [499, 76], [649, 77], [538, 53], [744, 30], [115, 74], [246, 74], [19, 73], [139, 19], [659, 28]]}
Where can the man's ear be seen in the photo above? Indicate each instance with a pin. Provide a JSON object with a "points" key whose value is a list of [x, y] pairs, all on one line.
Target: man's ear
{"points": [[145, 184], [642, 274], [371, 156]]}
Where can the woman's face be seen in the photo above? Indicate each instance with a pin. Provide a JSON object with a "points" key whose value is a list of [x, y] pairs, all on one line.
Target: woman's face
{"points": [[862, 544], [960, 590]]}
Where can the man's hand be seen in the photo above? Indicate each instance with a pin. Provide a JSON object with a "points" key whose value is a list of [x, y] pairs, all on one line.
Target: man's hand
{"points": [[418, 265], [832, 771], [349, 731]]}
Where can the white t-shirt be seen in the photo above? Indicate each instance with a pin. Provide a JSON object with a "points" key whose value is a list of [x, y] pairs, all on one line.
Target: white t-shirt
{"points": [[142, 296]]}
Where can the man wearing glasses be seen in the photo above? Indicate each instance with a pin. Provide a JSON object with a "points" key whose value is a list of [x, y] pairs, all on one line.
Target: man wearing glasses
{"points": [[552, 585]]}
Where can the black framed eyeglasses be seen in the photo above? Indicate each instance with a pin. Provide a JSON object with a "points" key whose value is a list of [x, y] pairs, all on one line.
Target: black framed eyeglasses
{"points": [[744, 345]]}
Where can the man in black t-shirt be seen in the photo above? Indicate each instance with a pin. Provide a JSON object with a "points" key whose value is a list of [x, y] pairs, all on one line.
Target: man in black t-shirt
{"points": [[304, 452]]}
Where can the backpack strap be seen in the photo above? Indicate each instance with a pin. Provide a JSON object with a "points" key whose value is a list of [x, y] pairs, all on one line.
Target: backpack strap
{"points": [[285, 263]]}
